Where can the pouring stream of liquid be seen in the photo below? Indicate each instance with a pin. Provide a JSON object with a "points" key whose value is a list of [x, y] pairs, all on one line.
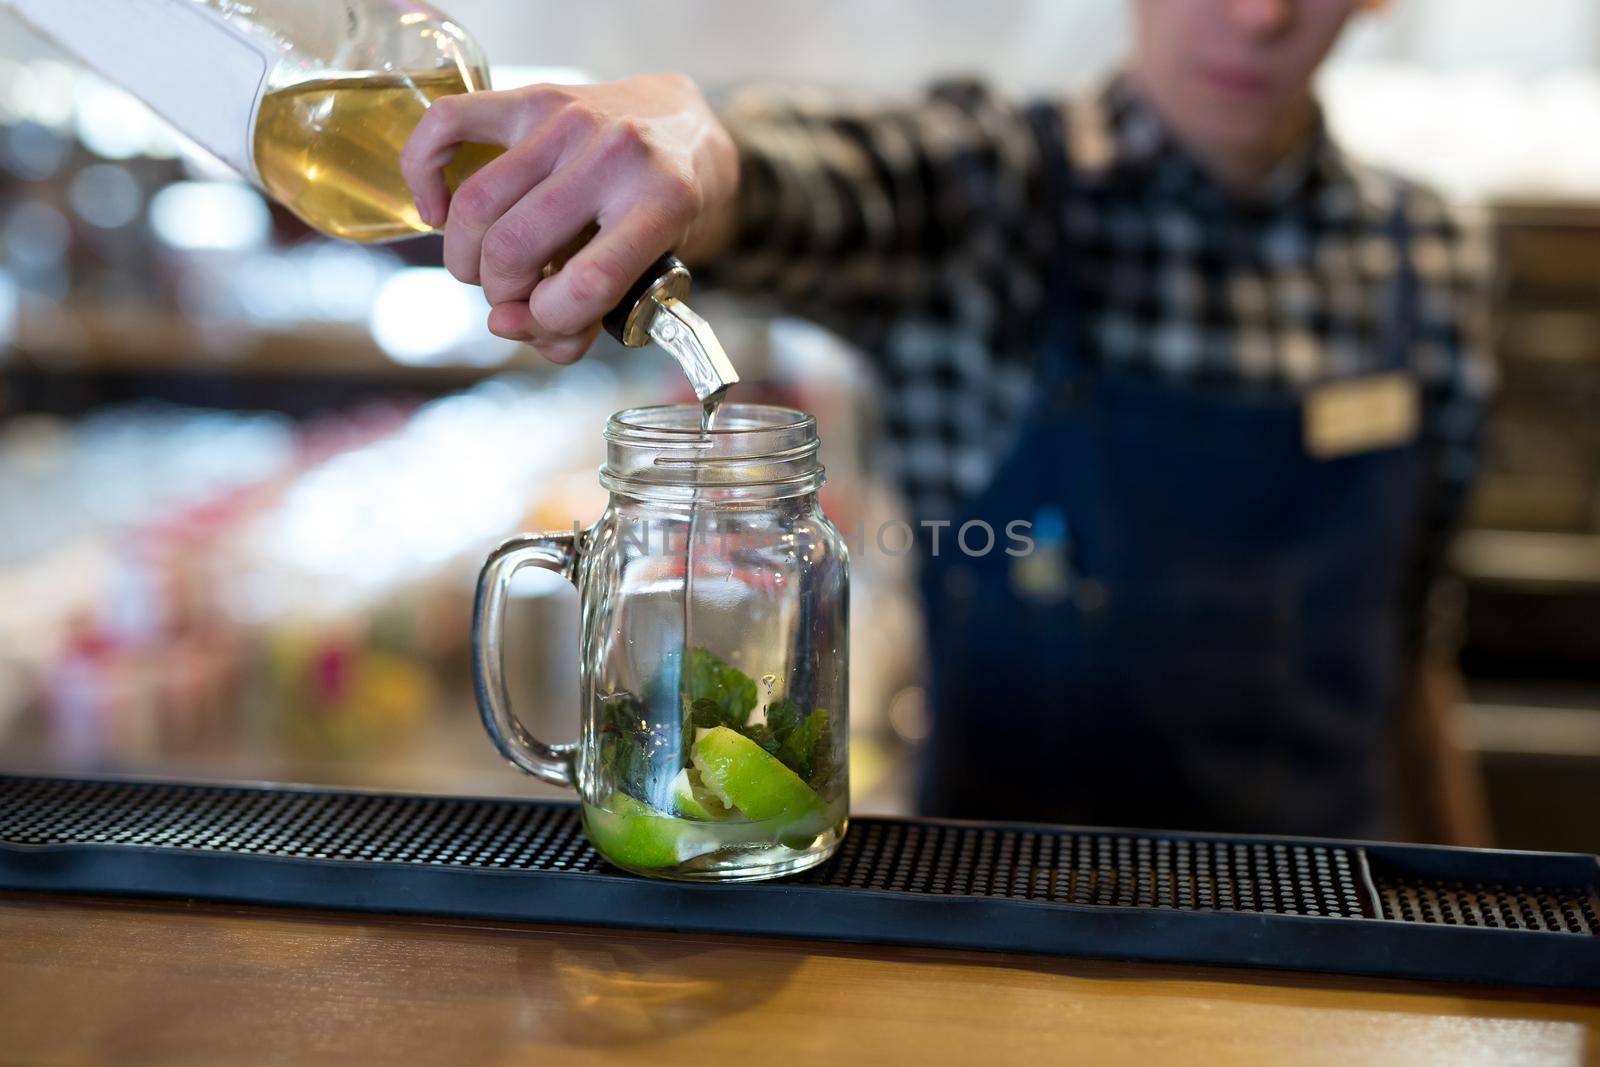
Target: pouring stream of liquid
{"points": [[708, 424]]}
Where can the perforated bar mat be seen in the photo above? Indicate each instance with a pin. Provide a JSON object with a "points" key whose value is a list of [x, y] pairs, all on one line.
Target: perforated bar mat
{"points": [[1418, 912]]}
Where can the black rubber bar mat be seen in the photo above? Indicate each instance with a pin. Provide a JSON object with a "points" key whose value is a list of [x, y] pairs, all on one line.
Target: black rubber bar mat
{"points": [[1504, 918]]}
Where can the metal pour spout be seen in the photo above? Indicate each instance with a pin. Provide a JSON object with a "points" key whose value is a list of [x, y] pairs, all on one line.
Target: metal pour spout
{"points": [[654, 310]]}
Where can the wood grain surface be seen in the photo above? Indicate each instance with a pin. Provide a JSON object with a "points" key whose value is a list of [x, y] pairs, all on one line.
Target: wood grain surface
{"points": [[117, 982]]}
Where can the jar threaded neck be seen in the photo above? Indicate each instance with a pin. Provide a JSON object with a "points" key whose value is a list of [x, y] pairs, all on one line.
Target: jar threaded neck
{"points": [[755, 452]]}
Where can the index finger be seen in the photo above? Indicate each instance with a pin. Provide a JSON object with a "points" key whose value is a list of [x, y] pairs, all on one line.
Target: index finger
{"points": [[495, 118], [599, 274]]}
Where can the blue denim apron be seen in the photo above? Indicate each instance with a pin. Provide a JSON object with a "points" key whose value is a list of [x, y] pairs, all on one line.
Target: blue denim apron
{"points": [[1209, 632]]}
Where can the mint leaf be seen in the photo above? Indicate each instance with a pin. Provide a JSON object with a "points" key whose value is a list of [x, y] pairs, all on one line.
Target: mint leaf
{"points": [[808, 750], [762, 735], [641, 757], [705, 713], [783, 715], [728, 694]]}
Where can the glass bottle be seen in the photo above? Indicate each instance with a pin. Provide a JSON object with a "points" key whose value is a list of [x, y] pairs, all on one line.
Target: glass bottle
{"points": [[312, 100]]}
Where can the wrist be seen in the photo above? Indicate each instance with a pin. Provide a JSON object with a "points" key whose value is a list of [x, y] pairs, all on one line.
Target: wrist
{"points": [[712, 232]]}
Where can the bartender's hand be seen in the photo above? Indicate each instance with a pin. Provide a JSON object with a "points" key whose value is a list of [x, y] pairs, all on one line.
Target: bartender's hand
{"points": [[645, 159]]}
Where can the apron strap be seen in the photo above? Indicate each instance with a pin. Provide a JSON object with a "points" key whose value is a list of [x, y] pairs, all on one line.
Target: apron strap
{"points": [[1405, 293], [1061, 357]]}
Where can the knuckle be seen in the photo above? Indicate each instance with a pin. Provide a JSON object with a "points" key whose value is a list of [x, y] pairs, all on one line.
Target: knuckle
{"points": [[594, 280], [504, 249], [677, 79], [589, 286], [472, 206], [678, 195], [576, 119], [541, 329], [536, 329], [557, 319], [441, 115], [654, 226], [414, 154], [410, 157], [462, 268], [546, 95], [627, 139]]}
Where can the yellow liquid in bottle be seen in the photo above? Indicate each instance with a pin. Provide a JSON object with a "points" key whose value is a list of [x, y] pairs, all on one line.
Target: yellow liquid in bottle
{"points": [[330, 150]]}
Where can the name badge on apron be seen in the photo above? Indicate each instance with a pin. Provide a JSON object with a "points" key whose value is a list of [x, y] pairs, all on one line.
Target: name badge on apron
{"points": [[1361, 415]]}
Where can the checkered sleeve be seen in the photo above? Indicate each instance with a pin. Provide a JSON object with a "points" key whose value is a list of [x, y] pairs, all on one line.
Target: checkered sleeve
{"points": [[855, 212], [1456, 373]]}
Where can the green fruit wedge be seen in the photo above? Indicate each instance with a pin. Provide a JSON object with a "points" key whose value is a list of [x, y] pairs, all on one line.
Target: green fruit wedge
{"points": [[634, 834], [743, 775], [692, 800]]}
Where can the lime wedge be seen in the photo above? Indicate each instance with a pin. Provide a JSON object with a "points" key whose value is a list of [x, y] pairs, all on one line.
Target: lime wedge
{"points": [[633, 834], [692, 800], [743, 775]]}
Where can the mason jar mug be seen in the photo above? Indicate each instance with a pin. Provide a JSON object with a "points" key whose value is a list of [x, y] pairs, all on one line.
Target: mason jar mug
{"points": [[714, 598]]}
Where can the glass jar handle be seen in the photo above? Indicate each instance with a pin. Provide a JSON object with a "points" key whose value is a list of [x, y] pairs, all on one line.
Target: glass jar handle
{"points": [[556, 552]]}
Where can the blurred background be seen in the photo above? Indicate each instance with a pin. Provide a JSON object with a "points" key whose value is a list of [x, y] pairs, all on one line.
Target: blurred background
{"points": [[247, 474]]}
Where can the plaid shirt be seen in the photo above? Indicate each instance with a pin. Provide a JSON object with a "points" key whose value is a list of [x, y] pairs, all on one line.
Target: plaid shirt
{"points": [[924, 234]]}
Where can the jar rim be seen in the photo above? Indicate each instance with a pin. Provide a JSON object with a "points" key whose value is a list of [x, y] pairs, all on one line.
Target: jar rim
{"points": [[756, 450], [684, 419]]}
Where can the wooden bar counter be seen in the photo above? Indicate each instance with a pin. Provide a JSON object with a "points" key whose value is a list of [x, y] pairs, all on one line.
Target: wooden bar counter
{"points": [[98, 981]]}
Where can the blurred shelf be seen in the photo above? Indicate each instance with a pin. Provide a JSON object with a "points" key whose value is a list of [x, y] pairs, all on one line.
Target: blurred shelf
{"points": [[1538, 743], [129, 340], [1545, 209], [1556, 562], [1532, 602], [1528, 730]]}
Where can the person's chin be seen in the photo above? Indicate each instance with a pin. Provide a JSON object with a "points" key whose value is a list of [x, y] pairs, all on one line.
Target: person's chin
{"points": [[1237, 128]]}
